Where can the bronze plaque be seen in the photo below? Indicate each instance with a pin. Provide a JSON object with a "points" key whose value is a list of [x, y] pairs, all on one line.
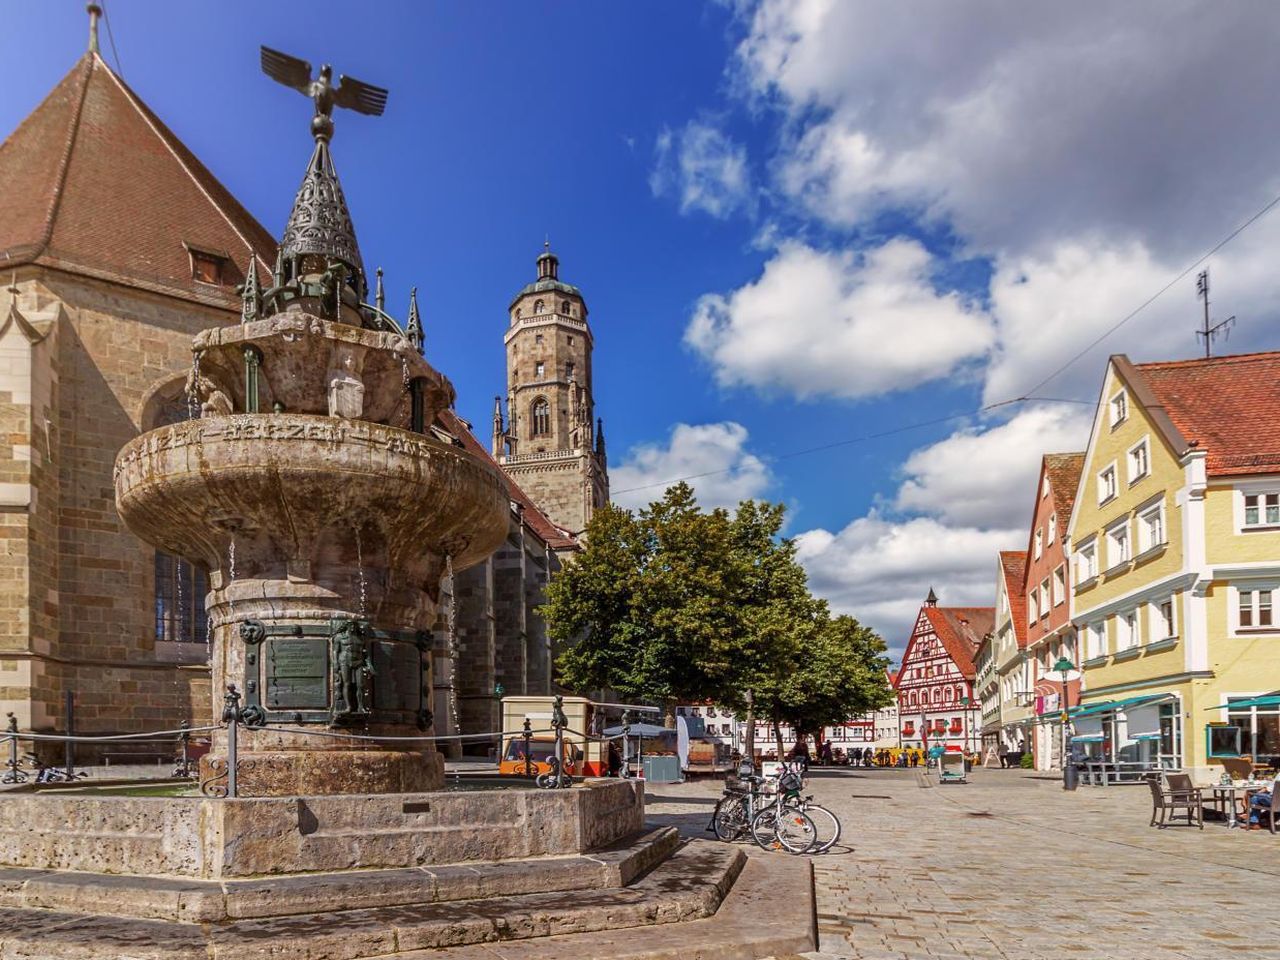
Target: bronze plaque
{"points": [[397, 676], [297, 670]]}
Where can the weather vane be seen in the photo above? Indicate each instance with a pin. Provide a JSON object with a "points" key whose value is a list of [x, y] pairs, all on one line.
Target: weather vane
{"points": [[350, 93]]}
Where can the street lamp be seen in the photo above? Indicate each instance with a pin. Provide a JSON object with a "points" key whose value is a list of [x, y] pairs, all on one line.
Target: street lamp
{"points": [[1066, 671]]}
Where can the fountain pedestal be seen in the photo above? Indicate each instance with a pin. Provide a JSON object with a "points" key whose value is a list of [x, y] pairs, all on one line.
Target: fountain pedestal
{"points": [[326, 537]]}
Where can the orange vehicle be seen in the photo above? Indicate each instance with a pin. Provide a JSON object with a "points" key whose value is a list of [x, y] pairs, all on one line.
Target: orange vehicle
{"points": [[585, 755]]}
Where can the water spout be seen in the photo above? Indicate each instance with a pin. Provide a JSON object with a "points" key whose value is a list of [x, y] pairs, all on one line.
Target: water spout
{"points": [[360, 574]]}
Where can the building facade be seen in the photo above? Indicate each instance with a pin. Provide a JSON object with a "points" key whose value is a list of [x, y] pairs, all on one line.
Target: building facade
{"points": [[550, 441], [1050, 634], [1175, 535], [1014, 669], [935, 683]]}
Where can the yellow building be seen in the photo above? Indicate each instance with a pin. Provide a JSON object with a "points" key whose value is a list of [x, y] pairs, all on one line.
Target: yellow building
{"points": [[1175, 537]]}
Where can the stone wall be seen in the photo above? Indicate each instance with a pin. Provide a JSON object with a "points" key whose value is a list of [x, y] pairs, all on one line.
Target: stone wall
{"points": [[198, 837], [77, 603]]}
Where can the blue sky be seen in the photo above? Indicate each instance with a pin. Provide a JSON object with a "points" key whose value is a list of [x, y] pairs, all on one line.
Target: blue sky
{"points": [[794, 223]]}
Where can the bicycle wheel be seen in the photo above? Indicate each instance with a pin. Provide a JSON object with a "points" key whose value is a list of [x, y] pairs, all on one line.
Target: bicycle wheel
{"points": [[827, 824], [786, 828], [730, 818]]}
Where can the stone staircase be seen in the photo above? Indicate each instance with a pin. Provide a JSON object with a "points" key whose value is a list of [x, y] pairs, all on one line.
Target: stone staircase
{"points": [[648, 896]]}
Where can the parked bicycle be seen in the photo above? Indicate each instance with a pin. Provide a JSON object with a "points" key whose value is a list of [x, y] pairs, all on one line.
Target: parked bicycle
{"points": [[47, 774], [775, 813]]}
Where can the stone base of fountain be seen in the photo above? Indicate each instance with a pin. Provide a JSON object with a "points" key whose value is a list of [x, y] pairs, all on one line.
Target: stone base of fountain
{"points": [[307, 773], [530, 874]]}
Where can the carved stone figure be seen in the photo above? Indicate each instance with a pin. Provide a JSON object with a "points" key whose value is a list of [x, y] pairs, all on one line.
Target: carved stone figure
{"points": [[346, 389], [350, 671]]}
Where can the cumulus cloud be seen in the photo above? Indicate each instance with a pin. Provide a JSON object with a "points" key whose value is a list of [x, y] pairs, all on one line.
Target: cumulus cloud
{"points": [[714, 455], [838, 323], [880, 570], [986, 478], [1021, 125], [704, 169]]}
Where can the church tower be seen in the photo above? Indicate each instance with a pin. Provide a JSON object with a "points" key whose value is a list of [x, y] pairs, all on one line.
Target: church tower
{"points": [[550, 443]]}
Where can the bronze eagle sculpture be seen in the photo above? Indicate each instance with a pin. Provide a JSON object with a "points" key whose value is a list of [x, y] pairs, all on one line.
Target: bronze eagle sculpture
{"points": [[349, 92]]}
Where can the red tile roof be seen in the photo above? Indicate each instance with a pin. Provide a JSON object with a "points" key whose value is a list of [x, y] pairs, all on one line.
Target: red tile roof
{"points": [[554, 537], [961, 629], [1227, 406], [1063, 471], [1013, 563], [92, 181]]}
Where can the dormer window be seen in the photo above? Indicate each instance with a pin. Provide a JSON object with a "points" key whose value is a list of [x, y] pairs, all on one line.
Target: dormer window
{"points": [[207, 266]]}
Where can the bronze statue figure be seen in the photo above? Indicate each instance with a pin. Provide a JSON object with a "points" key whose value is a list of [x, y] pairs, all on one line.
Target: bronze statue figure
{"points": [[350, 93], [350, 671]]}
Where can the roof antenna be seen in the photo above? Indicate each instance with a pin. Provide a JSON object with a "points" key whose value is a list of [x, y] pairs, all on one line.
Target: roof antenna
{"points": [[1210, 332]]}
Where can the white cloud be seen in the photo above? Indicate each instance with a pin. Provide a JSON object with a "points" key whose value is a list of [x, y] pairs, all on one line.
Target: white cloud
{"points": [[1021, 126], [714, 455], [839, 324], [986, 478], [880, 570], [704, 168]]}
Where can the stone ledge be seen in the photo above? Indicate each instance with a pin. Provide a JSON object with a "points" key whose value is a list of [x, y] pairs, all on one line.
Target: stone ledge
{"points": [[690, 886], [211, 901]]}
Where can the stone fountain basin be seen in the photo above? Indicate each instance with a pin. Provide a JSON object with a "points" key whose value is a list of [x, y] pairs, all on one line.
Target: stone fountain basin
{"points": [[295, 484], [300, 355]]}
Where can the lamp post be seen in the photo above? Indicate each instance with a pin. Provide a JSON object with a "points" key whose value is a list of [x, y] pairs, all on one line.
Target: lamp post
{"points": [[1066, 671]]}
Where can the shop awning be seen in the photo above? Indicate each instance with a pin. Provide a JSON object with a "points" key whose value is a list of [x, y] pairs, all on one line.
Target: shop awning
{"points": [[1155, 735], [1112, 706], [1087, 738], [1269, 700]]}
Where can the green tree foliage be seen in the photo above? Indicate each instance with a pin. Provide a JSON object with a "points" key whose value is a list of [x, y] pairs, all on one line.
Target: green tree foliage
{"points": [[678, 603]]}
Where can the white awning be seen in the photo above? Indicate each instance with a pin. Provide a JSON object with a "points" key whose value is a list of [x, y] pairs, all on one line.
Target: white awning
{"points": [[1143, 722], [1088, 726]]}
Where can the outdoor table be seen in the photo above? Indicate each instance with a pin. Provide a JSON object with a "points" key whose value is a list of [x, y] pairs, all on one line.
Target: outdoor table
{"points": [[1227, 793]]}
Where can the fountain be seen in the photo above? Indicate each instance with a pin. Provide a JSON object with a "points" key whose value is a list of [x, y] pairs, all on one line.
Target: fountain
{"points": [[316, 488]]}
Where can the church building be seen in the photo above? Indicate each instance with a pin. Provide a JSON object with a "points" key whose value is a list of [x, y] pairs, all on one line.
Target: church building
{"points": [[119, 245]]}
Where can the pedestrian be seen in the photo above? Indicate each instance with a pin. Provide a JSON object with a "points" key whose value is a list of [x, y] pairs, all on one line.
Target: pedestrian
{"points": [[826, 754]]}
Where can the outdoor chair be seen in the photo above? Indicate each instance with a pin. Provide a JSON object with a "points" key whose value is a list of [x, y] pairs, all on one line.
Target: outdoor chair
{"points": [[1172, 794]]}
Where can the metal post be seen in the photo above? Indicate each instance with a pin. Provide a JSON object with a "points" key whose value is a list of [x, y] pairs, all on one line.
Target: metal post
{"points": [[231, 717], [750, 749], [559, 722], [529, 770], [68, 746], [184, 765], [12, 775], [1070, 776]]}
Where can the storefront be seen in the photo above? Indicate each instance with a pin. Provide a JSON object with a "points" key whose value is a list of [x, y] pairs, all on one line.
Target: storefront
{"points": [[1138, 730], [1250, 728]]}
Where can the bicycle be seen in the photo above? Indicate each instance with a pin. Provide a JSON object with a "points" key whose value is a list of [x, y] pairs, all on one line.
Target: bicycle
{"points": [[826, 822], [772, 825]]}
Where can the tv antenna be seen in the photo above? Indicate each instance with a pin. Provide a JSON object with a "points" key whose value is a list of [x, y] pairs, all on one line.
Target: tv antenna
{"points": [[1211, 330]]}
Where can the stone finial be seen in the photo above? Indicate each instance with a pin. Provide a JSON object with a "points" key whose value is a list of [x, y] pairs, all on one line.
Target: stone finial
{"points": [[251, 294], [413, 328]]}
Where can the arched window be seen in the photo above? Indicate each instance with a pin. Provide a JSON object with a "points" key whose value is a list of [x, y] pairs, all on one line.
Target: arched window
{"points": [[564, 308], [951, 694], [541, 416], [539, 307]]}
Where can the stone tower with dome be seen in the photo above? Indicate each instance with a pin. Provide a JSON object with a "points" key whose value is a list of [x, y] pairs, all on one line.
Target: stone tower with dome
{"points": [[550, 441]]}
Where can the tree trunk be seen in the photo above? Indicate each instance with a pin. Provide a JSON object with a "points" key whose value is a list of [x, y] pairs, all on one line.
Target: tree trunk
{"points": [[777, 737], [749, 748]]}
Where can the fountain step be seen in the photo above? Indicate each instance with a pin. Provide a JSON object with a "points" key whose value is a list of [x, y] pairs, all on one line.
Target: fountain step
{"points": [[688, 886], [212, 901]]}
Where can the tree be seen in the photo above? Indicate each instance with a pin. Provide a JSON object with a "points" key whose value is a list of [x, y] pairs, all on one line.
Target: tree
{"points": [[678, 603]]}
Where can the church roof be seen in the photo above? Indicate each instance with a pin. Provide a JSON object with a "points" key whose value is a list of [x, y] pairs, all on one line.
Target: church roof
{"points": [[93, 182], [538, 286], [554, 536]]}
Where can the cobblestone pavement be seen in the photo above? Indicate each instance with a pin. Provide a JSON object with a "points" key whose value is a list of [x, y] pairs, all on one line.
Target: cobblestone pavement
{"points": [[1012, 866]]}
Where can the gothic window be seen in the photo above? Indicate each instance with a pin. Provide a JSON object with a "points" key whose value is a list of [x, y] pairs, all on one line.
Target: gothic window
{"points": [[568, 370], [539, 307], [180, 593], [541, 417]]}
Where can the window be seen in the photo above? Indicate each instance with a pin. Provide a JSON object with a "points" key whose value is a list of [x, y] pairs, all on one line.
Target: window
{"points": [[1107, 484], [1093, 641], [179, 601], [1151, 528], [1139, 465], [539, 369], [1044, 486], [537, 338], [1059, 585], [1087, 562], [1038, 544], [1162, 625], [1118, 545], [1255, 609], [1259, 728], [1033, 612], [1261, 509], [1044, 597], [206, 267], [1119, 408], [711, 711], [568, 370], [1128, 635], [1051, 529], [539, 307], [541, 417], [571, 341], [564, 308]]}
